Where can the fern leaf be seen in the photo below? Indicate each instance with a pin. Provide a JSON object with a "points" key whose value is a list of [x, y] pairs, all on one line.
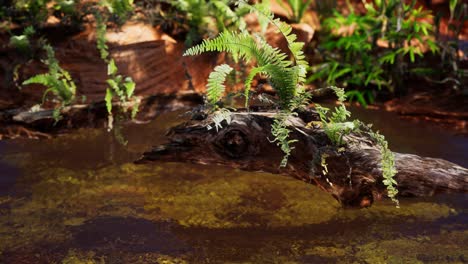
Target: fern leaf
{"points": [[215, 86], [108, 100], [263, 21], [44, 79], [283, 28], [248, 82]]}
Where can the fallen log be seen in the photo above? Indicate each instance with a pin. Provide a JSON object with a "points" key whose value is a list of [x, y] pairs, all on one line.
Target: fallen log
{"points": [[21, 122], [352, 175]]}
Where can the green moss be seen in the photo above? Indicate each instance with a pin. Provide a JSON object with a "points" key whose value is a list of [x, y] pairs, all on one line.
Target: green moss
{"points": [[77, 257], [229, 198], [443, 248], [409, 208], [326, 251]]}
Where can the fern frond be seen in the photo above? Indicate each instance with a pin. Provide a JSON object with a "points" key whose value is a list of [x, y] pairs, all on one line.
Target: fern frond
{"points": [[248, 82], [283, 81], [218, 117], [215, 86], [280, 131], [284, 28], [263, 21], [301, 65], [44, 79], [240, 45]]}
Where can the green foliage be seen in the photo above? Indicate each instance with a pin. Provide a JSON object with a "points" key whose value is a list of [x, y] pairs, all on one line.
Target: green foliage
{"points": [[120, 10], [215, 86], [452, 6], [336, 126], [57, 80], [280, 132], [119, 87], [352, 57], [72, 12], [451, 69], [22, 42], [295, 8], [284, 75], [101, 45], [208, 17], [219, 116], [31, 12], [388, 166]]}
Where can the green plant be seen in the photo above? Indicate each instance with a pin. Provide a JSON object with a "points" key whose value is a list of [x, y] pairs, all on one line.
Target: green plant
{"points": [[119, 87], [215, 87], [336, 126], [280, 132], [388, 166], [295, 8], [30, 12], [57, 80], [371, 50], [451, 69], [22, 42], [120, 10], [204, 17], [285, 76], [72, 12]]}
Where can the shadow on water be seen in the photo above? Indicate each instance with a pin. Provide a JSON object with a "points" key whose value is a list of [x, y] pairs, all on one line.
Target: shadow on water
{"points": [[127, 233], [78, 198], [8, 173]]}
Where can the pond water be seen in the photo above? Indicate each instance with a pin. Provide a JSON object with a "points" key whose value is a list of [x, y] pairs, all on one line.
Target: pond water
{"points": [[78, 198]]}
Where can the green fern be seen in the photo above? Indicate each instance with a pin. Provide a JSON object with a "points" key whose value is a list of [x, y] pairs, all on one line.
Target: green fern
{"points": [[388, 166], [270, 61], [280, 132], [120, 10], [57, 80], [215, 86], [336, 127], [119, 87], [284, 75], [220, 115]]}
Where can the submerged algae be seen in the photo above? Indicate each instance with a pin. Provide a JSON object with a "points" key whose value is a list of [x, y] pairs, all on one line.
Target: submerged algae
{"points": [[224, 215]]}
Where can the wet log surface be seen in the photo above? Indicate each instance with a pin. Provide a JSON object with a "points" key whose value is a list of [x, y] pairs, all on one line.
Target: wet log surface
{"points": [[354, 176]]}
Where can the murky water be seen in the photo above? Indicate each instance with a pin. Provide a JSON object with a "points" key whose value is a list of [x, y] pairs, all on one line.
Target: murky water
{"points": [[79, 199]]}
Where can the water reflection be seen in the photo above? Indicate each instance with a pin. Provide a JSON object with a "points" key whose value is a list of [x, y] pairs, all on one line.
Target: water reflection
{"points": [[416, 138]]}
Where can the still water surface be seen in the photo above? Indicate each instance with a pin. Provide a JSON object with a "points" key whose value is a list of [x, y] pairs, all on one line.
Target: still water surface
{"points": [[78, 198]]}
